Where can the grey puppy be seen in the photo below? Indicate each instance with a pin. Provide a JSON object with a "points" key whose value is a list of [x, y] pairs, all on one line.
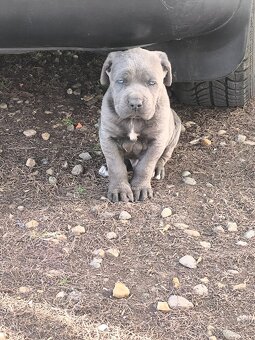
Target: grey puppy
{"points": [[137, 122]]}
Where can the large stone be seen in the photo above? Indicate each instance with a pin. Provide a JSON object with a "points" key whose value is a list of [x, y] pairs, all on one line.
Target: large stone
{"points": [[176, 301], [120, 290], [188, 261]]}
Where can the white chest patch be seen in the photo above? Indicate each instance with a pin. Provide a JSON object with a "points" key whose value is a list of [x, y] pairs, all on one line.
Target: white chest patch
{"points": [[132, 134]]}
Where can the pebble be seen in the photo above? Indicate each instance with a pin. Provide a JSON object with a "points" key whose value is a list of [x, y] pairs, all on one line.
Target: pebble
{"points": [[249, 234], [240, 286], [47, 112], [114, 252], [176, 301], [77, 170], [53, 180], [65, 165], [29, 133], [219, 229], [99, 252], [30, 162], [176, 282], [166, 212], [120, 290], [103, 327], [222, 132], [183, 129], [124, 215], [240, 138], [111, 235], [96, 263], [189, 180], [70, 127], [20, 207], [69, 91], [241, 243], [230, 335], [181, 225], [212, 337], [206, 142], [232, 226], [190, 123], [205, 244], [32, 224], [250, 142], [78, 230], [232, 271], [49, 172], [209, 185], [3, 106], [186, 173], [188, 261], [163, 306], [243, 318], [204, 279], [25, 290], [85, 156], [201, 290], [45, 136], [194, 141], [44, 161], [192, 232], [3, 336], [60, 295]]}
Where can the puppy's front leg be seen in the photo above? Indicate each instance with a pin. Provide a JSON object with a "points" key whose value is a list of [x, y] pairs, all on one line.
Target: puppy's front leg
{"points": [[119, 188], [143, 172]]}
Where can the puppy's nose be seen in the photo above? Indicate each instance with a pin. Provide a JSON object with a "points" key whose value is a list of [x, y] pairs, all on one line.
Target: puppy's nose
{"points": [[135, 103]]}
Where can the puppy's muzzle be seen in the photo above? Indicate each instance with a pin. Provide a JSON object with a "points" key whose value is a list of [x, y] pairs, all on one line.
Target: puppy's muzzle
{"points": [[135, 103]]}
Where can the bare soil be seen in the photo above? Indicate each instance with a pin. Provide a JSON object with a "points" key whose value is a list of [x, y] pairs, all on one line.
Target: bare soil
{"points": [[34, 87]]}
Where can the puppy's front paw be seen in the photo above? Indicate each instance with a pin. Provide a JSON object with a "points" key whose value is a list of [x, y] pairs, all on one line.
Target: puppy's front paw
{"points": [[141, 193], [159, 171], [120, 192]]}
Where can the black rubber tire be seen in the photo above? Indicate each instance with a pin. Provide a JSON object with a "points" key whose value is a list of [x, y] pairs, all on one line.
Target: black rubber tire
{"points": [[235, 90]]}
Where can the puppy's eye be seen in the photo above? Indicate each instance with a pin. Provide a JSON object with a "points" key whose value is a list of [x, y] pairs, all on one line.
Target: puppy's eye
{"points": [[152, 82], [120, 81]]}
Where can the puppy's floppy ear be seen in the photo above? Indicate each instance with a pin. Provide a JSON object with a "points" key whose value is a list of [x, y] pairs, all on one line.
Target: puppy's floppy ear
{"points": [[166, 67], [104, 78]]}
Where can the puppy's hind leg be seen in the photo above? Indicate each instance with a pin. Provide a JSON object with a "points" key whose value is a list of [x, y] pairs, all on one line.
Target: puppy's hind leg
{"points": [[160, 167]]}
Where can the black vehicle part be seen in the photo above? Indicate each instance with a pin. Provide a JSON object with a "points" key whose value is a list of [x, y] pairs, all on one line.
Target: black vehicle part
{"points": [[234, 90]]}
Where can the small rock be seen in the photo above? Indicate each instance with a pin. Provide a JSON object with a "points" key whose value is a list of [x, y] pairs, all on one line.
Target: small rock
{"points": [[240, 138], [192, 232], [30, 162], [241, 243], [52, 180], [176, 282], [166, 212], [20, 207], [176, 301], [124, 215], [204, 279], [230, 335], [190, 123], [219, 229], [61, 295], [99, 252], [65, 165], [223, 143], [32, 224], [44, 161], [77, 92], [232, 226], [186, 173], [181, 225], [29, 133], [188, 262], [3, 106], [111, 235], [25, 290], [114, 252], [96, 263], [103, 327], [183, 129], [54, 273], [212, 337], [47, 112], [70, 127], [244, 318], [85, 156], [77, 170], [3, 336], [195, 141], [75, 296], [120, 290], [232, 271], [78, 230], [201, 290], [206, 142], [209, 185], [206, 245], [45, 136], [189, 180], [221, 285], [240, 286], [250, 142], [49, 172], [249, 234], [222, 132], [163, 306], [69, 91]]}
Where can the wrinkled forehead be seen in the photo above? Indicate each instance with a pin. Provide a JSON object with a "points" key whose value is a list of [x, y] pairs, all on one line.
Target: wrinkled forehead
{"points": [[137, 65]]}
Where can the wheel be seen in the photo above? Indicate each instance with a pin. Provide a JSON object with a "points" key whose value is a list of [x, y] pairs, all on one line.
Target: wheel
{"points": [[234, 90]]}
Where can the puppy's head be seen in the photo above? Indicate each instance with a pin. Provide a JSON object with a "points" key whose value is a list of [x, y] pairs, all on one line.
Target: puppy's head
{"points": [[136, 79]]}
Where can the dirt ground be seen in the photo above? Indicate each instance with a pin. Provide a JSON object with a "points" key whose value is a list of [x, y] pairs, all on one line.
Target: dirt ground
{"points": [[49, 259]]}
